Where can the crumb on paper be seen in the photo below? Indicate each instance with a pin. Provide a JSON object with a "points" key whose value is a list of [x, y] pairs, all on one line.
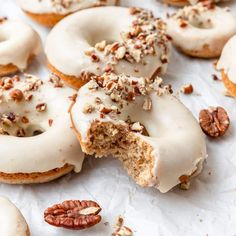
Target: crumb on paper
{"points": [[120, 229]]}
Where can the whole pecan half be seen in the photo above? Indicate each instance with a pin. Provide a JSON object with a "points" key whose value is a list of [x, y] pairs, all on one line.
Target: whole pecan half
{"points": [[214, 121], [73, 214]]}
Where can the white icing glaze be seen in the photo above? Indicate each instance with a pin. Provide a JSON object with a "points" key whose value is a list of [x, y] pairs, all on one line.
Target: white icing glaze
{"points": [[18, 41], [72, 37], [55, 147], [12, 221], [212, 27], [178, 143], [60, 6], [227, 60]]}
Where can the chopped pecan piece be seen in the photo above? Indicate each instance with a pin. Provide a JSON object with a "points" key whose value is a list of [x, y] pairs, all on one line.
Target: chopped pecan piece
{"points": [[24, 120], [105, 110], [123, 231], [184, 182], [16, 95], [101, 45], [95, 58], [215, 77], [41, 107], [183, 24], [88, 109], [214, 121], [20, 132], [120, 229], [147, 105], [50, 121], [2, 19], [136, 127], [56, 81], [73, 214], [187, 89]]}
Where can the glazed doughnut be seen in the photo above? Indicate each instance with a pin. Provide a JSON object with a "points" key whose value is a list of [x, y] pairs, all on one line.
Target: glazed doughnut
{"points": [[12, 221], [181, 3], [19, 43], [98, 40], [37, 143], [199, 30], [49, 12], [227, 66], [142, 125]]}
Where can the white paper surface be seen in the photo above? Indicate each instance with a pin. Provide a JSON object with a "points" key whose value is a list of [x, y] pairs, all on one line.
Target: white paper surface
{"points": [[208, 208]]}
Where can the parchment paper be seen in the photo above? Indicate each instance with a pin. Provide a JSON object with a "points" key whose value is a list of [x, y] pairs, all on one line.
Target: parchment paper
{"points": [[208, 208]]}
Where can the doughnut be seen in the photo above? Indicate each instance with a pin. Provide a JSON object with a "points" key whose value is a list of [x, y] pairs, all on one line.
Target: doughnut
{"points": [[19, 43], [12, 221], [37, 142], [199, 30], [107, 39], [139, 122], [49, 12], [227, 66], [180, 3]]}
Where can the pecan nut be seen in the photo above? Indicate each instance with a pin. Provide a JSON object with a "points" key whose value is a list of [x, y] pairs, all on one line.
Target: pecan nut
{"points": [[214, 121], [73, 214]]}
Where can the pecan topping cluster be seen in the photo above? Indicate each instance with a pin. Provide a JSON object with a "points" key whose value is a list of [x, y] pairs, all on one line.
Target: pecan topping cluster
{"points": [[20, 91], [122, 90], [146, 36], [193, 15], [12, 124], [61, 5], [214, 121], [73, 214]]}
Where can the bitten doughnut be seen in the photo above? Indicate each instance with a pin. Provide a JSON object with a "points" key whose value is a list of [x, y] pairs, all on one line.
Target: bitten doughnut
{"points": [[180, 3], [19, 43], [141, 124], [37, 143], [105, 39], [49, 12], [227, 66], [201, 30], [12, 221]]}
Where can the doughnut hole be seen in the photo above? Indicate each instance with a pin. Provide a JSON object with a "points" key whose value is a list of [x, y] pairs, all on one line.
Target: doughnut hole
{"points": [[34, 130], [200, 22], [22, 125], [106, 32]]}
